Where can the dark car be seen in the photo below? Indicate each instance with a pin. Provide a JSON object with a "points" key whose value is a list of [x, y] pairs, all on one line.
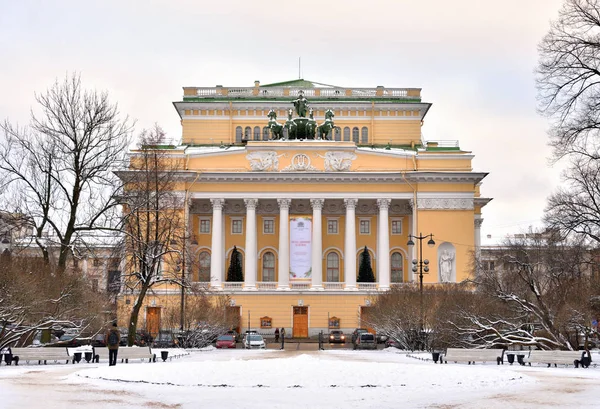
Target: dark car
{"points": [[356, 332], [165, 339], [225, 341], [337, 336], [365, 340]]}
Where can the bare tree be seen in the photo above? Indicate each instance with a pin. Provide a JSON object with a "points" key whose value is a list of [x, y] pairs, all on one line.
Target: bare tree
{"points": [[575, 210], [155, 233], [539, 294], [568, 79], [58, 171], [34, 298]]}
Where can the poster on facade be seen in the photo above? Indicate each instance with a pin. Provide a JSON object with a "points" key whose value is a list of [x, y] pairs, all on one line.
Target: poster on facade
{"points": [[300, 247]]}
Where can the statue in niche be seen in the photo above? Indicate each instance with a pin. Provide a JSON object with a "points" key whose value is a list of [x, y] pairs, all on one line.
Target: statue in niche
{"points": [[446, 259], [301, 104]]}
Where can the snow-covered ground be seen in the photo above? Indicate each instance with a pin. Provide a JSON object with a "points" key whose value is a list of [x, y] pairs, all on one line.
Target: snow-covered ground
{"points": [[272, 379]]}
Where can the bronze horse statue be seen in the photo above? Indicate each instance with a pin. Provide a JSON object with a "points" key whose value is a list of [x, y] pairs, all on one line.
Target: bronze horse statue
{"points": [[275, 127], [327, 126]]}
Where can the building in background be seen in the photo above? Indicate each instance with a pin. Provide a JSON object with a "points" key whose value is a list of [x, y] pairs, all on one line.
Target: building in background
{"points": [[302, 178]]}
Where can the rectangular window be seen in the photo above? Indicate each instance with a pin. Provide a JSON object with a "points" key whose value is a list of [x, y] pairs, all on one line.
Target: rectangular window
{"points": [[268, 226], [397, 226], [236, 226], [96, 262], [204, 226], [332, 226], [365, 226]]}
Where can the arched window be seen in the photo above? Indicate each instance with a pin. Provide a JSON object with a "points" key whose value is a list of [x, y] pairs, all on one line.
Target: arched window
{"points": [[346, 134], [238, 134], [204, 270], [338, 134], [268, 263], [355, 134], [265, 133], [396, 264], [365, 135], [247, 133], [257, 133], [333, 268]]}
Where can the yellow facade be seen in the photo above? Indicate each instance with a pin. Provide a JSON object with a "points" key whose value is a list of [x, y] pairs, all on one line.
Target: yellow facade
{"points": [[374, 184]]}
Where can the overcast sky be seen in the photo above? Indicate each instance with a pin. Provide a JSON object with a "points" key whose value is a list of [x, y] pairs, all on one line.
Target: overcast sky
{"points": [[474, 60]]}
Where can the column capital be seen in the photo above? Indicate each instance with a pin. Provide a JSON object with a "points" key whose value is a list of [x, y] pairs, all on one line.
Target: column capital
{"points": [[251, 203], [217, 203], [284, 203], [478, 223], [384, 203], [317, 204], [350, 203]]}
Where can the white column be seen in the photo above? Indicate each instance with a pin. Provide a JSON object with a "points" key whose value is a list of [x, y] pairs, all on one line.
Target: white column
{"points": [[317, 245], [383, 247], [478, 222], [250, 247], [350, 245], [216, 253], [412, 250], [284, 244]]}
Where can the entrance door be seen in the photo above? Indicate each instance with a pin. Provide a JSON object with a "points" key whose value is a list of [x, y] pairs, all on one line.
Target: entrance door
{"points": [[365, 319], [153, 320], [233, 318], [300, 329]]}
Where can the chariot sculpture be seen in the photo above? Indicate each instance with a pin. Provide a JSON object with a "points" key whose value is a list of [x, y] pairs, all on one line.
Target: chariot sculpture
{"points": [[302, 127]]}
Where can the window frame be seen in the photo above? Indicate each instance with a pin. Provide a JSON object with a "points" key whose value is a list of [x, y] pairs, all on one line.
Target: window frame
{"points": [[332, 268], [208, 222], [335, 220], [360, 226], [264, 223], [234, 221], [392, 267], [396, 220], [269, 268]]}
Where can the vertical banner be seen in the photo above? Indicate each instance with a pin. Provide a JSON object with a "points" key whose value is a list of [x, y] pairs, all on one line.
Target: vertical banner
{"points": [[300, 247]]}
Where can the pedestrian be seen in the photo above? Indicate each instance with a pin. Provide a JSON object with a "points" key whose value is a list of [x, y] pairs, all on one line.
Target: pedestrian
{"points": [[112, 339], [276, 334], [282, 333]]}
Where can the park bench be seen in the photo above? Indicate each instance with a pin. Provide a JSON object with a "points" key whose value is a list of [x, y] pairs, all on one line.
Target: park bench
{"points": [[38, 354], [557, 357], [472, 355], [126, 353]]}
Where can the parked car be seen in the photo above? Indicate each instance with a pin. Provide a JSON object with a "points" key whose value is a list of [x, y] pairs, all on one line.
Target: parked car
{"points": [[98, 340], [254, 341], [356, 332], [165, 339], [337, 336], [70, 341], [365, 340], [392, 343], [225, 341]]}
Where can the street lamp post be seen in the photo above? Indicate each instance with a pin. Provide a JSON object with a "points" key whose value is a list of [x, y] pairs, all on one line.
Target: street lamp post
{"points": [[421, 265]]}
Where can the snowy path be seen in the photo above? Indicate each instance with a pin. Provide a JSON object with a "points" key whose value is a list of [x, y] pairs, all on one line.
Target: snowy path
{"points": [[284, 379]]}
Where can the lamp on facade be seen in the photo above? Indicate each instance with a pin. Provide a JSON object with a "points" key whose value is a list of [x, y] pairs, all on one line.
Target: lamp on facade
{"points": [[421, 266]]}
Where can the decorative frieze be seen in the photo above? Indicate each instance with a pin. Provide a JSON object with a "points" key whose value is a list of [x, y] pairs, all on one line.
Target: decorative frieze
{"points": [[264, 161], [445, 204], [300, 163], [338, 161]]}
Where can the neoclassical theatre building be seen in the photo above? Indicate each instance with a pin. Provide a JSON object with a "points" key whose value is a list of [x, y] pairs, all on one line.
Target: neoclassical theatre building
{"points": [[301, 178]]}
